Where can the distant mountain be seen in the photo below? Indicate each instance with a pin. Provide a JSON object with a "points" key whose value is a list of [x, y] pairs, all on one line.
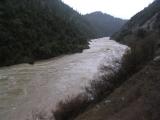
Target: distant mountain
{"points": [[38, 29], [104, 24]]}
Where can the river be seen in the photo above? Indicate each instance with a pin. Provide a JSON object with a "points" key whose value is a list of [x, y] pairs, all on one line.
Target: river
{"points": [[26, 88]]}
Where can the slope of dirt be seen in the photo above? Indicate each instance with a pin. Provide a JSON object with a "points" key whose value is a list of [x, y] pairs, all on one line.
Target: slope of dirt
{"points": [[137, 99]]}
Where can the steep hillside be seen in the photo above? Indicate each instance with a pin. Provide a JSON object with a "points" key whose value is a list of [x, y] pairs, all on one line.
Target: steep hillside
{"points": [[137, 99], [38, 29], [104, 24], [147, 20]]}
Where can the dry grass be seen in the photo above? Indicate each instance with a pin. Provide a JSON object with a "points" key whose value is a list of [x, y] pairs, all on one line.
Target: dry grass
{"points": [[71, 107]]}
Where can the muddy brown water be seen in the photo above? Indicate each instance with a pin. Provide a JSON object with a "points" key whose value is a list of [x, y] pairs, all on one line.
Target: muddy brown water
{"points": [[26, 88]]}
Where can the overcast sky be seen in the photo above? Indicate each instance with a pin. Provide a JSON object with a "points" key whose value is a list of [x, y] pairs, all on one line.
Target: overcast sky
{"points": [[118, 8]]}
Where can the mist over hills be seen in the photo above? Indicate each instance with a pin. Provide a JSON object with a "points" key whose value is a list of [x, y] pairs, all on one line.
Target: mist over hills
{"points": [[104, 24]]}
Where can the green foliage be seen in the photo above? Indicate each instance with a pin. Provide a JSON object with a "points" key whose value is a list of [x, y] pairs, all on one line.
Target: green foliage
{"points": [[37, 29]]}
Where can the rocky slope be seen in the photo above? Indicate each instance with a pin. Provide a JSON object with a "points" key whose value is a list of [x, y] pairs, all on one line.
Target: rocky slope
{"points": [[146, 20]]}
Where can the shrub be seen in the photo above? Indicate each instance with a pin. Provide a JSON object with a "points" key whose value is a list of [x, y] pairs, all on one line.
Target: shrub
{"points": [[71, 107], [141, 33]]}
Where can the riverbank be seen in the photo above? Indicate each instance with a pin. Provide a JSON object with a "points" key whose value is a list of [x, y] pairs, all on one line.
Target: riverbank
{"points": [[26, 88], [134, 61], [135, 99]]}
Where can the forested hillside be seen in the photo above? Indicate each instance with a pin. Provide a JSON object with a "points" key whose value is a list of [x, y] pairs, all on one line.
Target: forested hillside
{"points": [[36, 29], [143, 24], [142, 34], [104, 24]]}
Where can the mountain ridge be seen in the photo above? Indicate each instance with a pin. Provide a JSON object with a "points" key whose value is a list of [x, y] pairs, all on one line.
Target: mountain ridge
{"points": [[104, 24], [141, 21]]}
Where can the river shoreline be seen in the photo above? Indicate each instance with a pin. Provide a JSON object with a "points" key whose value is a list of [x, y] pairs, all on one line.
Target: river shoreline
{"points": [[25, 88]]}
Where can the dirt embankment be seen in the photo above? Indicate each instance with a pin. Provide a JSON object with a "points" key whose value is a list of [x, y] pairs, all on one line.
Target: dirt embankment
{"points": [[137, 99]]}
